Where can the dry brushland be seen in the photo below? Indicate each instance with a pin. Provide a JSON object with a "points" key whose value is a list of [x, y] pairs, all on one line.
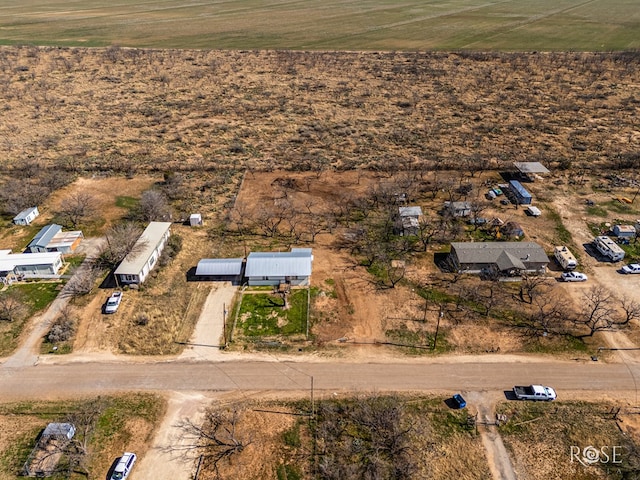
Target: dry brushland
{"points": [[316, 149], [105, 428]]}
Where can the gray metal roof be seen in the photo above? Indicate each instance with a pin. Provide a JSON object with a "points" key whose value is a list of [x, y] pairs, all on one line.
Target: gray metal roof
{"points": [[58, 429], [45, 235], [12, 260], [414, 211], [296, 263], [531, 167], [25, 213], [150, 238], [219, 266], [489, 252]]}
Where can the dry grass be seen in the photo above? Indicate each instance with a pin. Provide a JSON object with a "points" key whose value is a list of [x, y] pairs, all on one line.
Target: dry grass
{"points": [[121, 110], [540, 436]]}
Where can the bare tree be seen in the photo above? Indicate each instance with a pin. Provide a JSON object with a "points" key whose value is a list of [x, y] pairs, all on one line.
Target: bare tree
{"points": [[630, 310], [154, 207], [82, 281], [122, 240], [76, 208], [63, 328], [531, 286], [428, 228], [598, 312], [217, 439], [12, 305], [477, 207]]}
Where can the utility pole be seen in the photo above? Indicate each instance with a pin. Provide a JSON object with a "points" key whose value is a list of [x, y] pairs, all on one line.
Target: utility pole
{"points": [[435, 337], [224, 324]]}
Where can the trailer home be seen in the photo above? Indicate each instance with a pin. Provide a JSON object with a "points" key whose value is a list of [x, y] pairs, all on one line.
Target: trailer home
{"points": [[609, 248], [565, 258]]}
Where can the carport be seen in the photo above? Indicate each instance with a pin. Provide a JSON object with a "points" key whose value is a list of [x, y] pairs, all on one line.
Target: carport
{"points": [[220, 270]]}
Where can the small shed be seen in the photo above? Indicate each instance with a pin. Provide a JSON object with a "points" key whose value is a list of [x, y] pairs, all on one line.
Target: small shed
{"points": [[530, 170], [521, 195], [26, 216], [409, 220], [195, 220], [58, 431], [220, 269], [458, 209], [624, 231]]}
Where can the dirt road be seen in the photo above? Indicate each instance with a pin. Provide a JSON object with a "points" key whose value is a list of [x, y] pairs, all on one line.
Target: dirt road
{"points": [[29, 382]]}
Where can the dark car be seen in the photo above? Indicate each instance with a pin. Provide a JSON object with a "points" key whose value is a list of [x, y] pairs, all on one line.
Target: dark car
{"points": [[458, 401]]}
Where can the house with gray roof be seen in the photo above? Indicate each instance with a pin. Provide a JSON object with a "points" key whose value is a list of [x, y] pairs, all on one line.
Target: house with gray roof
{"points": [[51, 238], [275, 268], [504, 258], [136, 266]]}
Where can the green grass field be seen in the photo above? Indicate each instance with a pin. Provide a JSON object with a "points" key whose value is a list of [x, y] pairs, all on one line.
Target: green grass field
{"points": [[331, 25]]}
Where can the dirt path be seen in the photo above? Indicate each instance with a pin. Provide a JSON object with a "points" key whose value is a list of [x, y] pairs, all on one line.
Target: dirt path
{"points": [[160, 461], [497, 456], [207, 337]]}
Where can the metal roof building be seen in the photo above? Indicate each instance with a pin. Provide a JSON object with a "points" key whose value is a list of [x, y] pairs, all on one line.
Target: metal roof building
{"points": [[530, 167], [30, 264], [414, 211], [505, 257], [136, 266], [43, 237], [520, 193], [273, 268]]}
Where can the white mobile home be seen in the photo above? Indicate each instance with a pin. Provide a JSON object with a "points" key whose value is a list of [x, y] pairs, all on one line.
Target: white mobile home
{"points": [[136, 266], [609, 248], [274, 268], [26, 216], [31, 265]]}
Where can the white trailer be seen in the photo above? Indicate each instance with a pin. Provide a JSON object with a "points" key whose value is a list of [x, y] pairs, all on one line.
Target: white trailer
{"points": [[565, 258], [609, 248]]}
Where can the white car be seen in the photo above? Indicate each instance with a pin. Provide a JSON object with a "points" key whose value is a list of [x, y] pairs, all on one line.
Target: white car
{"points": [[574, 277], [124, 466], [631, 268], [113, 302]]}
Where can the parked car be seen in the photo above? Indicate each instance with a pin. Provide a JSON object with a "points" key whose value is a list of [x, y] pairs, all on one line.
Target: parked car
{"points": [[458, 401], [574, 277], [631, 268], [113, 302], [124, 466]]}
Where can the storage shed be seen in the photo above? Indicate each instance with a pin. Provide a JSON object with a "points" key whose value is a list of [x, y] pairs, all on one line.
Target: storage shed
{"points": [[521, 195], [275, 268], [26, 216], [220, 269], [458, 209], [195, 220], [624, 231]]}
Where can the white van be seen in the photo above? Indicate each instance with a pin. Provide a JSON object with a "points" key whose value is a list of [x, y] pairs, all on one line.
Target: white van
{"points": [[124, 466]]}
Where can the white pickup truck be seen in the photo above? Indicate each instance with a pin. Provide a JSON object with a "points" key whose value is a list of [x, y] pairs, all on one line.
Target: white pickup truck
{"points": [[534, 392]]}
